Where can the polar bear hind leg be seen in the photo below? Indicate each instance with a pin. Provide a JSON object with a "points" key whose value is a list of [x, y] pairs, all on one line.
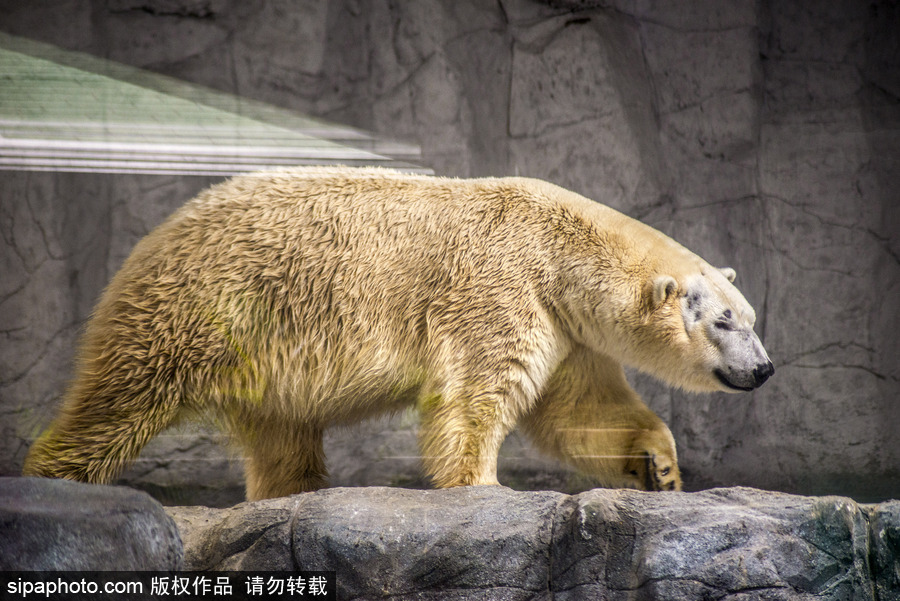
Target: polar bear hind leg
{"points": [[96, 434]]}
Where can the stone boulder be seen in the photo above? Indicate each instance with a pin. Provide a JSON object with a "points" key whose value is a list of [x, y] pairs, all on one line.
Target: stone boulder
{"points": [[496, 543], [726, 543], [884, 523], [60, 525]]}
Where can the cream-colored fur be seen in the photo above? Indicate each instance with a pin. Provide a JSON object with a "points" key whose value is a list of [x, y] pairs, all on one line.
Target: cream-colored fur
{"points": [[589, 417], [290, 301]]}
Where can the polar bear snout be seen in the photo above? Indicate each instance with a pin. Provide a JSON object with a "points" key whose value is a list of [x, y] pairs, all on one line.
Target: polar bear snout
{"points": [[762, 373], [745, 381], [744, 365]]}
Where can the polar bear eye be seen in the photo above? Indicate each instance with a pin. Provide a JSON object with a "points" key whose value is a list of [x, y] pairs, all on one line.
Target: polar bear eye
{"points": [[724, 323], [664, 472]]}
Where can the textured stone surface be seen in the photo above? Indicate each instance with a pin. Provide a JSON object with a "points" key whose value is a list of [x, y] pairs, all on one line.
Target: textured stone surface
{"points": [[60, 525], [468, 541], [496, 543], [724, 543], [761, 135], [249, 536], [884, 523]]}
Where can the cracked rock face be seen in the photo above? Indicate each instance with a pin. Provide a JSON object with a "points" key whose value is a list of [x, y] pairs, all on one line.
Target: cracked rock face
{"points": [[495, 543], [764, 136]]}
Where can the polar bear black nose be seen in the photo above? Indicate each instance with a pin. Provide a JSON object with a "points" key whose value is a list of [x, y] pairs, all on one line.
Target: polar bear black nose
{"points": [[762, 373]]}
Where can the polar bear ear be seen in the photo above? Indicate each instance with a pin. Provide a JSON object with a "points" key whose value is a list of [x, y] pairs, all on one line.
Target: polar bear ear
{"points": [[663, 286], [729, 273]]}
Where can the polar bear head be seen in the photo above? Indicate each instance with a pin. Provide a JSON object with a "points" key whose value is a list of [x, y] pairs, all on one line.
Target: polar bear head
{"points": [[626, 290], [654, 305], [697, 332]]}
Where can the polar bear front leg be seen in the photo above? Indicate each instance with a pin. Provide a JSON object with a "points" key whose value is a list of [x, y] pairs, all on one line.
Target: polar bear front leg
{"points": [[460, 436], [489, 356], [282, 458]]}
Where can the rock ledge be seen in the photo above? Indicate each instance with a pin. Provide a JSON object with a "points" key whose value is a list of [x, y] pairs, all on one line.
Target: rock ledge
{"points": [[496, 543]]}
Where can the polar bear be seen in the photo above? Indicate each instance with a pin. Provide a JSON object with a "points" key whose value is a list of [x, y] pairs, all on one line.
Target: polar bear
{"points": [[289, 301]]}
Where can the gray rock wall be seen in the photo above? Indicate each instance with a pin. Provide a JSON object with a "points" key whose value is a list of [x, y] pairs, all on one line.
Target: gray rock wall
{"points": [[763, 135]]}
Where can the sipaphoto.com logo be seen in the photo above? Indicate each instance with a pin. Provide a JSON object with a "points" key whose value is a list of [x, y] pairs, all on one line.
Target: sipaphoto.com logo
{"points": [[68, 586], [166, 585]]}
